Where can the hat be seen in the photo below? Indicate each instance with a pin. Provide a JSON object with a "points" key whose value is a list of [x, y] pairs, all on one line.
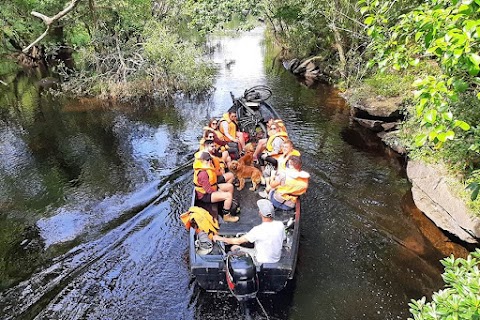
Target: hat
{"points": [[205, 156], [266, 208]]}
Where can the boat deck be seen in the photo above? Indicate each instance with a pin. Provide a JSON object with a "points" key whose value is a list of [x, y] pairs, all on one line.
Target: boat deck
{"points": [[249, 216]]}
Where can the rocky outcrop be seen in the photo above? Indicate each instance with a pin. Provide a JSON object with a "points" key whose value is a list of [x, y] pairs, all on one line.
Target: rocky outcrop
{"points": [[381, 115], [431, 192], [432, 195]]}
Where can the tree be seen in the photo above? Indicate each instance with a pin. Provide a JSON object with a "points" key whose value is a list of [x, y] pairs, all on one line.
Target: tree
{"points": [[446, 35]]}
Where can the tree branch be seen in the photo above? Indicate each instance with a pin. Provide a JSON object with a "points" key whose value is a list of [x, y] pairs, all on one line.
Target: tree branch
{"points": [[48, 21]]}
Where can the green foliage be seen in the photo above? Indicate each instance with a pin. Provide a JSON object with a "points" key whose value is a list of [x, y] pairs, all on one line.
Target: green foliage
{"points": [[181, 61], [447, 33], [209, 15], [390, 84], [460, 299]]}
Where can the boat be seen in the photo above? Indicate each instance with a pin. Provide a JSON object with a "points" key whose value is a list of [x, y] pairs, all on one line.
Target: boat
{"points": [[216, 270]]}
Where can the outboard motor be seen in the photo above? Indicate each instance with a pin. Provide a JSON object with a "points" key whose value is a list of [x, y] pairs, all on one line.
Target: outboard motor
{"points": [[241, 275]]}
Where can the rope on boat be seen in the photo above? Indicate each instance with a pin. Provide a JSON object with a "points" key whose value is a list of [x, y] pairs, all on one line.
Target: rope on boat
{"points": [[263, 309]]}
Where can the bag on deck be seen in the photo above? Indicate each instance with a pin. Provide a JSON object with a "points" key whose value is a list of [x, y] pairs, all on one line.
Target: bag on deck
{"points": [[201, 220]]}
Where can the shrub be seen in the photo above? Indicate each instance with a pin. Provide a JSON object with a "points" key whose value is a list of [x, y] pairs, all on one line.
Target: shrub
{"points": [[460, 299]]}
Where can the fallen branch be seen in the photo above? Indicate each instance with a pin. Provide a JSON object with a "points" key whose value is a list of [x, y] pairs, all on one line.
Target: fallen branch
{"points": [[48, 21]]}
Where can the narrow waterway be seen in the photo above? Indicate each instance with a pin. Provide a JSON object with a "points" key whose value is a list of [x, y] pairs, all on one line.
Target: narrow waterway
{"points": [[90, 195]]}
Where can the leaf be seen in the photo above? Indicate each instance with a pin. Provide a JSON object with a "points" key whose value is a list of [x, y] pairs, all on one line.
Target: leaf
{"points": [[368, 21], [364, 9], [420, 140], [475, 188], [460, 85], [475, 59], [447, 116], [462, 124], [430, 116]]}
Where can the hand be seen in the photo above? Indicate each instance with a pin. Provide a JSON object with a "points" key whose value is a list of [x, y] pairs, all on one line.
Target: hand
{"points": [[216, 237]]}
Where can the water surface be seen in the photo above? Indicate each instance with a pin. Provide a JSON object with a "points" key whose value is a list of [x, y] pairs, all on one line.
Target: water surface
{"points": [[90, 195]]}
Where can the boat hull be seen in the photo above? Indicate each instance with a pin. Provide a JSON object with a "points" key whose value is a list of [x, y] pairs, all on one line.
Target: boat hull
{"points": [[209, 270]]}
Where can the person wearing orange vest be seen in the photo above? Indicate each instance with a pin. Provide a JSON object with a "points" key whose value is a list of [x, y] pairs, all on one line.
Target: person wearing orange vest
{"points": [[287, 151], [272, 124], [288, 185], [229, 128], [218, 163], [207, 188], [273, 147], [220, 145]]}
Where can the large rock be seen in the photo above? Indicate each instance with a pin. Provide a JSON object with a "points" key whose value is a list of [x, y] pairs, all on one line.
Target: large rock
{"points": [[432, 195], [380, 108]]}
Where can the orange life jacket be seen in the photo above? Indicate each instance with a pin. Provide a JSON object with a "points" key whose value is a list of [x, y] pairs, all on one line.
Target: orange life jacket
{"points": [[296, 184], [232, 127], [269, 145], [212, 176]]}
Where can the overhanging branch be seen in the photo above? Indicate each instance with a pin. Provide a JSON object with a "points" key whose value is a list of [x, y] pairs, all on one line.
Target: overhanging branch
{"points": [[48, 21]]}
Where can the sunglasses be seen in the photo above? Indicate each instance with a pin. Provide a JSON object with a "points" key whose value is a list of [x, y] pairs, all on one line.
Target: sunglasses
{"points": [[214, 122], [210, 137]]}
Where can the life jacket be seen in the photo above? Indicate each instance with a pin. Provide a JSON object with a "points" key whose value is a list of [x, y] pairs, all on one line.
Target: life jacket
{"points": [[212, 176], [283, 159], [296, 184], [232, 127], [218, 164], [269, 145], [201, 220]]}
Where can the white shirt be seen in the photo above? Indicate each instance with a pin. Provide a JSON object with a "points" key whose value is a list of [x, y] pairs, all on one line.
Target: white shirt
{"points": [[268, 238]]}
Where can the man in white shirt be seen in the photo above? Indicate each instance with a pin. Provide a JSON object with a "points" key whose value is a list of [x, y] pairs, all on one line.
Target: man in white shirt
{"points": [[268, 236]]}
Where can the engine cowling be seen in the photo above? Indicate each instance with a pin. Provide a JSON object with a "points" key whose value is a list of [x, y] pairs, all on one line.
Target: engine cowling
{"points": [[241, 275]]}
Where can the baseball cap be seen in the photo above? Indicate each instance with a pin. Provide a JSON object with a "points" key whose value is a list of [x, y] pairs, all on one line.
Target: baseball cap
{"points": [[266, 208]]}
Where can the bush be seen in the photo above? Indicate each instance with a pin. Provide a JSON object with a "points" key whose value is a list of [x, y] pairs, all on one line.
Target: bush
{"points": [[460, 299]]}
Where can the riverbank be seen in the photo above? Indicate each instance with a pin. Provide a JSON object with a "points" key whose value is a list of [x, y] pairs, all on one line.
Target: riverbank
{"points": [[436, 191]]}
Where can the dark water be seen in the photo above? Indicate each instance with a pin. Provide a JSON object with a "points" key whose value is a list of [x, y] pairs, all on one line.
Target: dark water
{"points": [[90, 195]]}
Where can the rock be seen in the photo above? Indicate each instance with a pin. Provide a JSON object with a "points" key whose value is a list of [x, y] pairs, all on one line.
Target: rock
{"points": [[391, 140], [374, 125], [432, 195], [379, 107]]}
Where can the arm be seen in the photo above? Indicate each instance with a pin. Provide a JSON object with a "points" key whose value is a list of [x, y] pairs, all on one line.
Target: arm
{"points": [[218, 141], [239, 240], [279, 178]]}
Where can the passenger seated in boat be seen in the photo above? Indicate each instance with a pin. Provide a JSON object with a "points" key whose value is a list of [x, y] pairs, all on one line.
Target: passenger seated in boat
{"points": [[229, 128], [220, 145], [218, 137], [218, 163], [273, 150], [261, 144], [287, 151], [208, 190], [267, 237], [288, 185]]}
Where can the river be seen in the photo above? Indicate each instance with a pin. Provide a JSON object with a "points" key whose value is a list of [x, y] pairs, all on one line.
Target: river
{"points": [[90, 195]]}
